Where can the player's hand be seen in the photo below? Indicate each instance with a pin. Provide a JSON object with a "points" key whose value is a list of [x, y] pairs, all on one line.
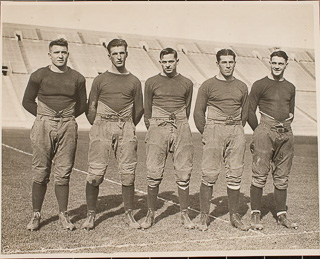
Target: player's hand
{"points": [[252, 147]]}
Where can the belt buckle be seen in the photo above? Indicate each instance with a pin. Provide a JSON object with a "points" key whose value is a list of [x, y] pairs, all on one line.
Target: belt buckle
{"points": [[172, 117], [280, 129], [229, 120]]}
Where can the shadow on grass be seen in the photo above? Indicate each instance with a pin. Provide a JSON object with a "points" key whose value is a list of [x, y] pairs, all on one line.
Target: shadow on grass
{"points": [[268, 205]]}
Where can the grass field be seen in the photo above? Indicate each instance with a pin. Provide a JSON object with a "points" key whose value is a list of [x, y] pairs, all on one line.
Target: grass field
{"points": [[112, 236]]}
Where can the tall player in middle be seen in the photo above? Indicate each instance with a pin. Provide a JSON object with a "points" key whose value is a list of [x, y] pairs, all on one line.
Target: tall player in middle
{"points": [[167, 103]]}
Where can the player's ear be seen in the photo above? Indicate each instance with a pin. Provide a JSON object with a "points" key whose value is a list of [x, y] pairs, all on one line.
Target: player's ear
{"points": [[177, 60]]}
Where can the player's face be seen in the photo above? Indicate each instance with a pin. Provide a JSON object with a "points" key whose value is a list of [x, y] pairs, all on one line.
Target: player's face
{"points": [[226, 65], [169, 64], [278, 65], [59, 55], [118, 56]]}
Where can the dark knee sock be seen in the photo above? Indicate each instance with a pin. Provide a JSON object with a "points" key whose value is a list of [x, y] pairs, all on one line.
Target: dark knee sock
{"points": [[62, 194], [92, 193], [233, 200], [38, 193], [152, 197], [205, 197], [128, 196], [183, 198], [255, 197], [280, 197]]}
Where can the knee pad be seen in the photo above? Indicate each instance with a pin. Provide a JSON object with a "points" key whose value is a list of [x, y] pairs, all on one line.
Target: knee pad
{"points": [[95, 180]]}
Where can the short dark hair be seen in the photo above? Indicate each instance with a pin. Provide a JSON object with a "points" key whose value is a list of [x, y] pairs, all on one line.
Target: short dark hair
{"points": [[225, 52], [168, 51], [59, 42], [279, 53], [117, 43]]}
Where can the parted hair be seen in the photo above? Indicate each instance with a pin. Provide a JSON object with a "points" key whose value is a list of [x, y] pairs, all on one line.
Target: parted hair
{"points": [[117, 43], [59, 42], [167, 51], [279, 53], [225, 52]]}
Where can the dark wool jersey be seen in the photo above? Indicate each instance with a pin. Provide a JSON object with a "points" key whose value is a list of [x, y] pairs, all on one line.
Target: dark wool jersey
{"points": [[275, 98], [227, 96], [167, 93], [56, 90], [118, 91]]}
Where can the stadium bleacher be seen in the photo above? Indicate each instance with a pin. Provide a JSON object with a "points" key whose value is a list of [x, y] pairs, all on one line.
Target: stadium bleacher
{"points": [[11, 56], [25, 49]]}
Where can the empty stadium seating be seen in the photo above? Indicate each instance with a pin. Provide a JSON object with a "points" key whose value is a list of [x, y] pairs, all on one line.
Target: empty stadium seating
{"points": [[27, 32], [27, 52], [11, 55]]}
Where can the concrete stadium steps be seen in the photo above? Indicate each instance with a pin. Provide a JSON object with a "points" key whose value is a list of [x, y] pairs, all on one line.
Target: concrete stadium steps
{"points": [[28, 32], [206, 62], [140, 64], [12, 113], [37, 53], [307, 103], [243, 51], [139, 42], [300, 56], [300, 78], [180, 44], [302, 125], [96, 37], [210, 47], [309, 66], [56, 33], [89, 60], [252, 68], [11, 56]]}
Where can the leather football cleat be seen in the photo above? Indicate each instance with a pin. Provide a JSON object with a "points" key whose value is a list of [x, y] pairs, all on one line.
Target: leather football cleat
{"points": [[149, 220], [255, 220], [235, 220], [88, 224], [203, 223], [186, 221], [284, 221], [65, 221], [129, 219], [34, 223]]}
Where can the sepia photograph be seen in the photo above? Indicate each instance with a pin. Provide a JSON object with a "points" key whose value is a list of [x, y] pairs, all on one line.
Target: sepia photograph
{"points": [[159, 129]]}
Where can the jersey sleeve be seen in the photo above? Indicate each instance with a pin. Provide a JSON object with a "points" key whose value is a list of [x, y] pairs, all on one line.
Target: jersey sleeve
{"points": [[189, 98], [148, 98], [93, 101], [137, 104], [245, 106], [30, 95], [253, 104], [200, 108], [292, 101], [81, 99]]}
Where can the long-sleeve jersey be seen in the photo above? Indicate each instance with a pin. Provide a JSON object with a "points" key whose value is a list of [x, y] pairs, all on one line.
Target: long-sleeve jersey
{"points": [[167, 93], [116, 91], [226, 96], [275, 98], [56, 90]]}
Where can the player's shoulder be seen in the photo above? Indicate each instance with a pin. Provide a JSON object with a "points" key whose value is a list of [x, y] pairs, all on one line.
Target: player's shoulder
{"points": [[208, 82], [75, 72], [41, 71], [134, 78], [151, 80], [240, 83], [186, 79], [260, 82], [290, 85], [39, 74]]}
